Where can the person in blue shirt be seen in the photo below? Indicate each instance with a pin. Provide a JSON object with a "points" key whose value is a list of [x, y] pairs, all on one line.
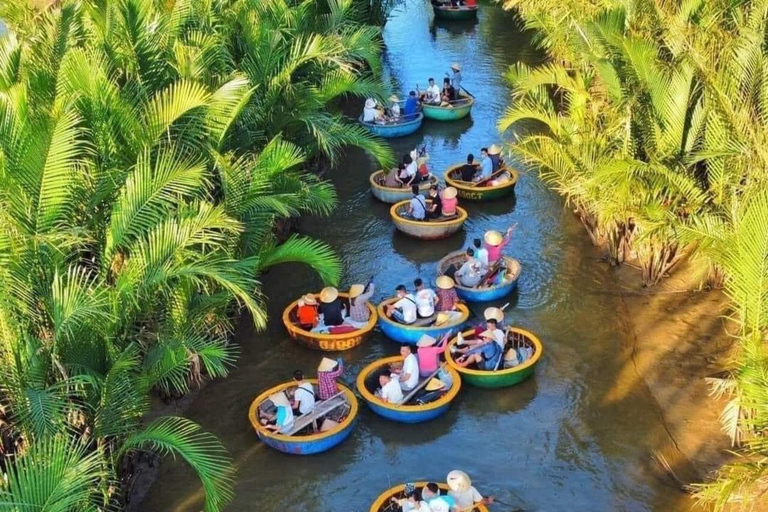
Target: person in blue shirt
{"points": [[411, 107], [486, 165], [417, 209]]}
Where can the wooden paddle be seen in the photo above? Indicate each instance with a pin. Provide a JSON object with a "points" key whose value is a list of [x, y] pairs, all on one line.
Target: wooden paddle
{"points": [[489, 178], [421, 385]]}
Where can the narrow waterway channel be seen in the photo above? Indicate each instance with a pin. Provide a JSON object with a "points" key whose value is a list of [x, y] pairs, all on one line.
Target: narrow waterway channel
{"points": [[578, 436]]}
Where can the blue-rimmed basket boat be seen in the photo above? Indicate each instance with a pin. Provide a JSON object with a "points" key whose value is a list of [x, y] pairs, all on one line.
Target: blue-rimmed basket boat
{"points": [[458, 109], [486, 293], [384, 504], [406, 413], [394, 130], [305, 444], [426, 229], [503, 377], [447, 12], [410, 334], [395, 195]]}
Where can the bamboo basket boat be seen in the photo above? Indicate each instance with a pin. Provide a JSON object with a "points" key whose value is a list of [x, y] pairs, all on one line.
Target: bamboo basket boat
{"points": [[485, 294], [395, 195], [423, 229], [464, 12], [393, 130], [305, 444], [411, 334], [406, 413], [383, 502], [466, 190], [323, 341], [504, 377], [458, 109]]}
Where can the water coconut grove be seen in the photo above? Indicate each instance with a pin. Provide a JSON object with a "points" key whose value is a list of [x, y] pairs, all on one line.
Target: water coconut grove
{"points": [[443, 256]]}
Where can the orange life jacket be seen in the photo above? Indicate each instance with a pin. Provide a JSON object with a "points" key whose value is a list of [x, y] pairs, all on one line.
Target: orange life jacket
{"points": [[307, 315]]}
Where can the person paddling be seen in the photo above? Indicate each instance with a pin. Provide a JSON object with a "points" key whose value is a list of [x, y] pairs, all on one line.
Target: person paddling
{"points": [[463, 493], [327, 373], [331, 308], [495, 243]]}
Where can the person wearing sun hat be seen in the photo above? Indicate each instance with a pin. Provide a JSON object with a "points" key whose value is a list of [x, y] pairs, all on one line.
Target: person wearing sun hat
{"points": [[494, 153], [370, 112], [428, 352], [463, 493], [449, 200], [455, 77], [307, 312], [359, 295], [495, 243], [327, 372], [394, 107], [446, 293], [486, 351], [496, 314], [331, 307]]}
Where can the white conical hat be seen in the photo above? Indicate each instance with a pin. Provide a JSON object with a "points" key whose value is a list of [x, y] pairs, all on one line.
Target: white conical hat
{"points": [[458, 481], [326, 365], [494, 313]]}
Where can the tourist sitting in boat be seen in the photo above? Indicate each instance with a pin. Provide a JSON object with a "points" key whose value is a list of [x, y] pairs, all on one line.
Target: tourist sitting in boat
{"points": [[371, 114], [304, 395], [410, 174], [421, 157], [435, 203], [455, 76], [432, 95], [471, 272], [486, 166], [411, 502], [417, 208], [468, 171], [495, 314], [448, 94], [437, 502], [327, 373], [404, 310], [446, 294], [495, 243], [307, 312], [481, 252], [426, 299], [429, 351], [277, 417], [409, 375], [359, 313], [464, 495], [517, 354], [391, 178], [494, 153], [411, 107], [486, 351], [449, 201], [390, 390], [393, 112], [331, 308]]}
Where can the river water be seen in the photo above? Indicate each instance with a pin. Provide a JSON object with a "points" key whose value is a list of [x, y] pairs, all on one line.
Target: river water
{"points": [[577, 436]]}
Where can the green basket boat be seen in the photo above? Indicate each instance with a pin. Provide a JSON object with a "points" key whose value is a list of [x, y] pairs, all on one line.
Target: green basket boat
{"points": [[457, 110], [448, 12], [504, 377], [473, 192]]}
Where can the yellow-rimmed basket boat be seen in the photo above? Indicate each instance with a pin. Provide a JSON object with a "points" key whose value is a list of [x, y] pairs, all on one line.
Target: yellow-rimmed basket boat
{"points": [[468, 190], [323, 341], [406, 413], [403, 333], [503, 377], [310, 444], [395, 195], [383, 502], [426, 229]]}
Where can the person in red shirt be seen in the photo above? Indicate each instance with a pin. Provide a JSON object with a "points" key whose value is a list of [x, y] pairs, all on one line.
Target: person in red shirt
{"points": [[307, 312], [327, 373]]}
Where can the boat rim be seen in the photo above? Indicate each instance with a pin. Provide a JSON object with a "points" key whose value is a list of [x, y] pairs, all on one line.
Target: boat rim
{"points": [[459, 220], [470, 101], [458, 183], [386, 495], [467, 288], [383, 317], [321, 336], [371, 179], [460, 8], [253, 417], [539, 349], [370, 397], [419, 118]]}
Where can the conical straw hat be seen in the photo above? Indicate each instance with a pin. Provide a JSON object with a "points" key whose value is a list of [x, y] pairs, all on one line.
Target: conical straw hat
{"points": [[435, 384], [494, 150], [309, 299], [491, 238], [450, 192], [445, 282], [456, 66], [370, 103], [355, 290], [328, 294], [394, 98], [442, 318], [494, 313], [426, 341], [326, 365]]}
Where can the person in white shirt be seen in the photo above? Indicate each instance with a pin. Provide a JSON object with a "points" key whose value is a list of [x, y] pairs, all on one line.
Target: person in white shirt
{"points": [[432, 95], [394, 108], [481, 253], [463, 493], [390, 388], [485, 352], [426, 299], [409, 377], [370, 112], [304, 396], [404, 310]]}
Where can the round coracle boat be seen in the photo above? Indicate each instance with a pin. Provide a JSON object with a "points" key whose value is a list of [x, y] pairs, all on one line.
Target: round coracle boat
{"points": [[412, 411], [456, 110], [411, 333], [427, 229], [486, 293], [327, 341], [302, 439], [482, 191], [503, 377], [395, 195], [393, 130], [448, 12], [384, 502]]}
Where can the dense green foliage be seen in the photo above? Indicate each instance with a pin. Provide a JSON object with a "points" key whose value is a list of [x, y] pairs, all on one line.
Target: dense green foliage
{"points": [[147, 150], [656, 122]]}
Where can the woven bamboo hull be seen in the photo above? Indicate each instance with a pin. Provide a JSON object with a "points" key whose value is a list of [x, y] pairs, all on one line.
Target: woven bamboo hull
{"points": [[481, 193], [460, 13], [395, 195], [391, 131], [411, 334], [481, 294], [328, 342], [406, 413], [305, 445], [426, 230], [383, 503], [500, 378], [452, 113]]}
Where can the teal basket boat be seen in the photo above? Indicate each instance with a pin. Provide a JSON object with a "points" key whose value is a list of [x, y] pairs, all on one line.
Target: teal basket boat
{"points": [[458, 109], [448, 12], [394, 130]]}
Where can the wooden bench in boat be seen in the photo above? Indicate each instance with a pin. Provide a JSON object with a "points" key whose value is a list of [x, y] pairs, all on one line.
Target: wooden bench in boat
{"points": [[320, 410], [407, 398]]}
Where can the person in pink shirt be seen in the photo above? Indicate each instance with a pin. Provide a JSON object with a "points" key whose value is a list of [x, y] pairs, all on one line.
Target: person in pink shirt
{"points": [[449, 201], [495, 243], [429, 353]]}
